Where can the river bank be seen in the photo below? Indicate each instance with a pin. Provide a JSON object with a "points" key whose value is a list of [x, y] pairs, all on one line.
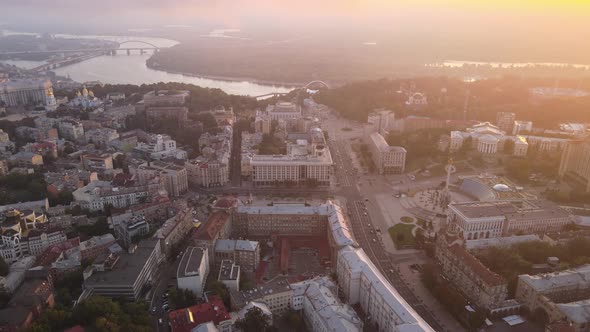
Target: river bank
{"points": [[229, 78]]}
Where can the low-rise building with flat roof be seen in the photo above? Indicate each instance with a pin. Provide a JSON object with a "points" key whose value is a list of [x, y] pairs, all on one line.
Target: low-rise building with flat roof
{"points": [[229, 275]]}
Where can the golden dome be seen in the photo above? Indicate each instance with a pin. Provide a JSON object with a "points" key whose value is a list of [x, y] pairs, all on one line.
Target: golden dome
{"points": [[90, 93], [85, 91]]}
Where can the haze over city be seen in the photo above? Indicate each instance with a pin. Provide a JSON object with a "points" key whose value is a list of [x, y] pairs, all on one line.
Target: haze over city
{"points": [[299, 166]]}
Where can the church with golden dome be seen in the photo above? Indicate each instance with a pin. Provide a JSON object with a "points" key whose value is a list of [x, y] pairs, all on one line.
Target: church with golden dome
{"points": [[85, 99]]}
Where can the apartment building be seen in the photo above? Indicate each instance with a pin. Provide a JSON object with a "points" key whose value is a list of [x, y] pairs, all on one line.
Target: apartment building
{"points": [[575, 162], [484, 288], [98, 194], [193, 270], [560, 296], [322, 310], [175, 229], [244, 253], [388, 159], [276, 294], [362, 283], [130, 229], [175, 177], [159, 147], [217, 226]]}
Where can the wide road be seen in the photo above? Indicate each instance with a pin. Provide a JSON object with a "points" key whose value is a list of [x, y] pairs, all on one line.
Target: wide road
{"points": [[364, 231]]}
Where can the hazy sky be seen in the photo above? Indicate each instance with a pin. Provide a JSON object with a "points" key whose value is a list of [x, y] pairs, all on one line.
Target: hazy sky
{"points": [[555, 29], [238, 12]]}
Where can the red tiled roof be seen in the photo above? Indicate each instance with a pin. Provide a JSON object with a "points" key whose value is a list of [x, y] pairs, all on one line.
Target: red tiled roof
{"points": [[52, 253], [212, 311], [225, 202], [476, 266], [213, 225]]}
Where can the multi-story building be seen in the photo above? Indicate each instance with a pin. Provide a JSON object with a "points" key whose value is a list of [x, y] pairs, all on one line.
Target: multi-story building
{"points": [[229, 275], [160, 147], [6, 146], [128, 230], [155, 211], [546, 144], [488, 139], [388, 159], [522, 126], [125, 274], [95, 246], [175, 229], [560, 296], [177, 114], [70, 129], [295, 220], [476, 220], [505, 121], [283, 110], [217, 226], [21, 92], [484, 288], [250, 143], [211, 315], [101, 136], [381, 120], [306, 162], [244, 253], [97, 163], [26, 159], [223, 116], [280, 219], [15, 226], [165, 98], [322, 309], [362, 283], [193, 270], [575, 162], [27, 304], [45, 149], [276, 294], [98, 194], [36, 241], [175, 177], [208, 173]]}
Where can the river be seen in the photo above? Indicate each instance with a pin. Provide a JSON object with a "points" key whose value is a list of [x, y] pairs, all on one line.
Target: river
{"points": [[131, 69]]}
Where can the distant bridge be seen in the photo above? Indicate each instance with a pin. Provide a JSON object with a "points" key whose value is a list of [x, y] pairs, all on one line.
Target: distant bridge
{"points": [[108, 50], [306, 86], [322, 83]]}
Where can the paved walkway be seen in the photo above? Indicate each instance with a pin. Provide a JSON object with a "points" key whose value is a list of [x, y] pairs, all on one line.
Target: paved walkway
{"points": [[412, 279]]}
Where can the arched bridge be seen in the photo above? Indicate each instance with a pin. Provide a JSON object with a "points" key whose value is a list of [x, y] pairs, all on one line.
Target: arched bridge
{"points": [[317, 82], [306, 86], [140, 42]]}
